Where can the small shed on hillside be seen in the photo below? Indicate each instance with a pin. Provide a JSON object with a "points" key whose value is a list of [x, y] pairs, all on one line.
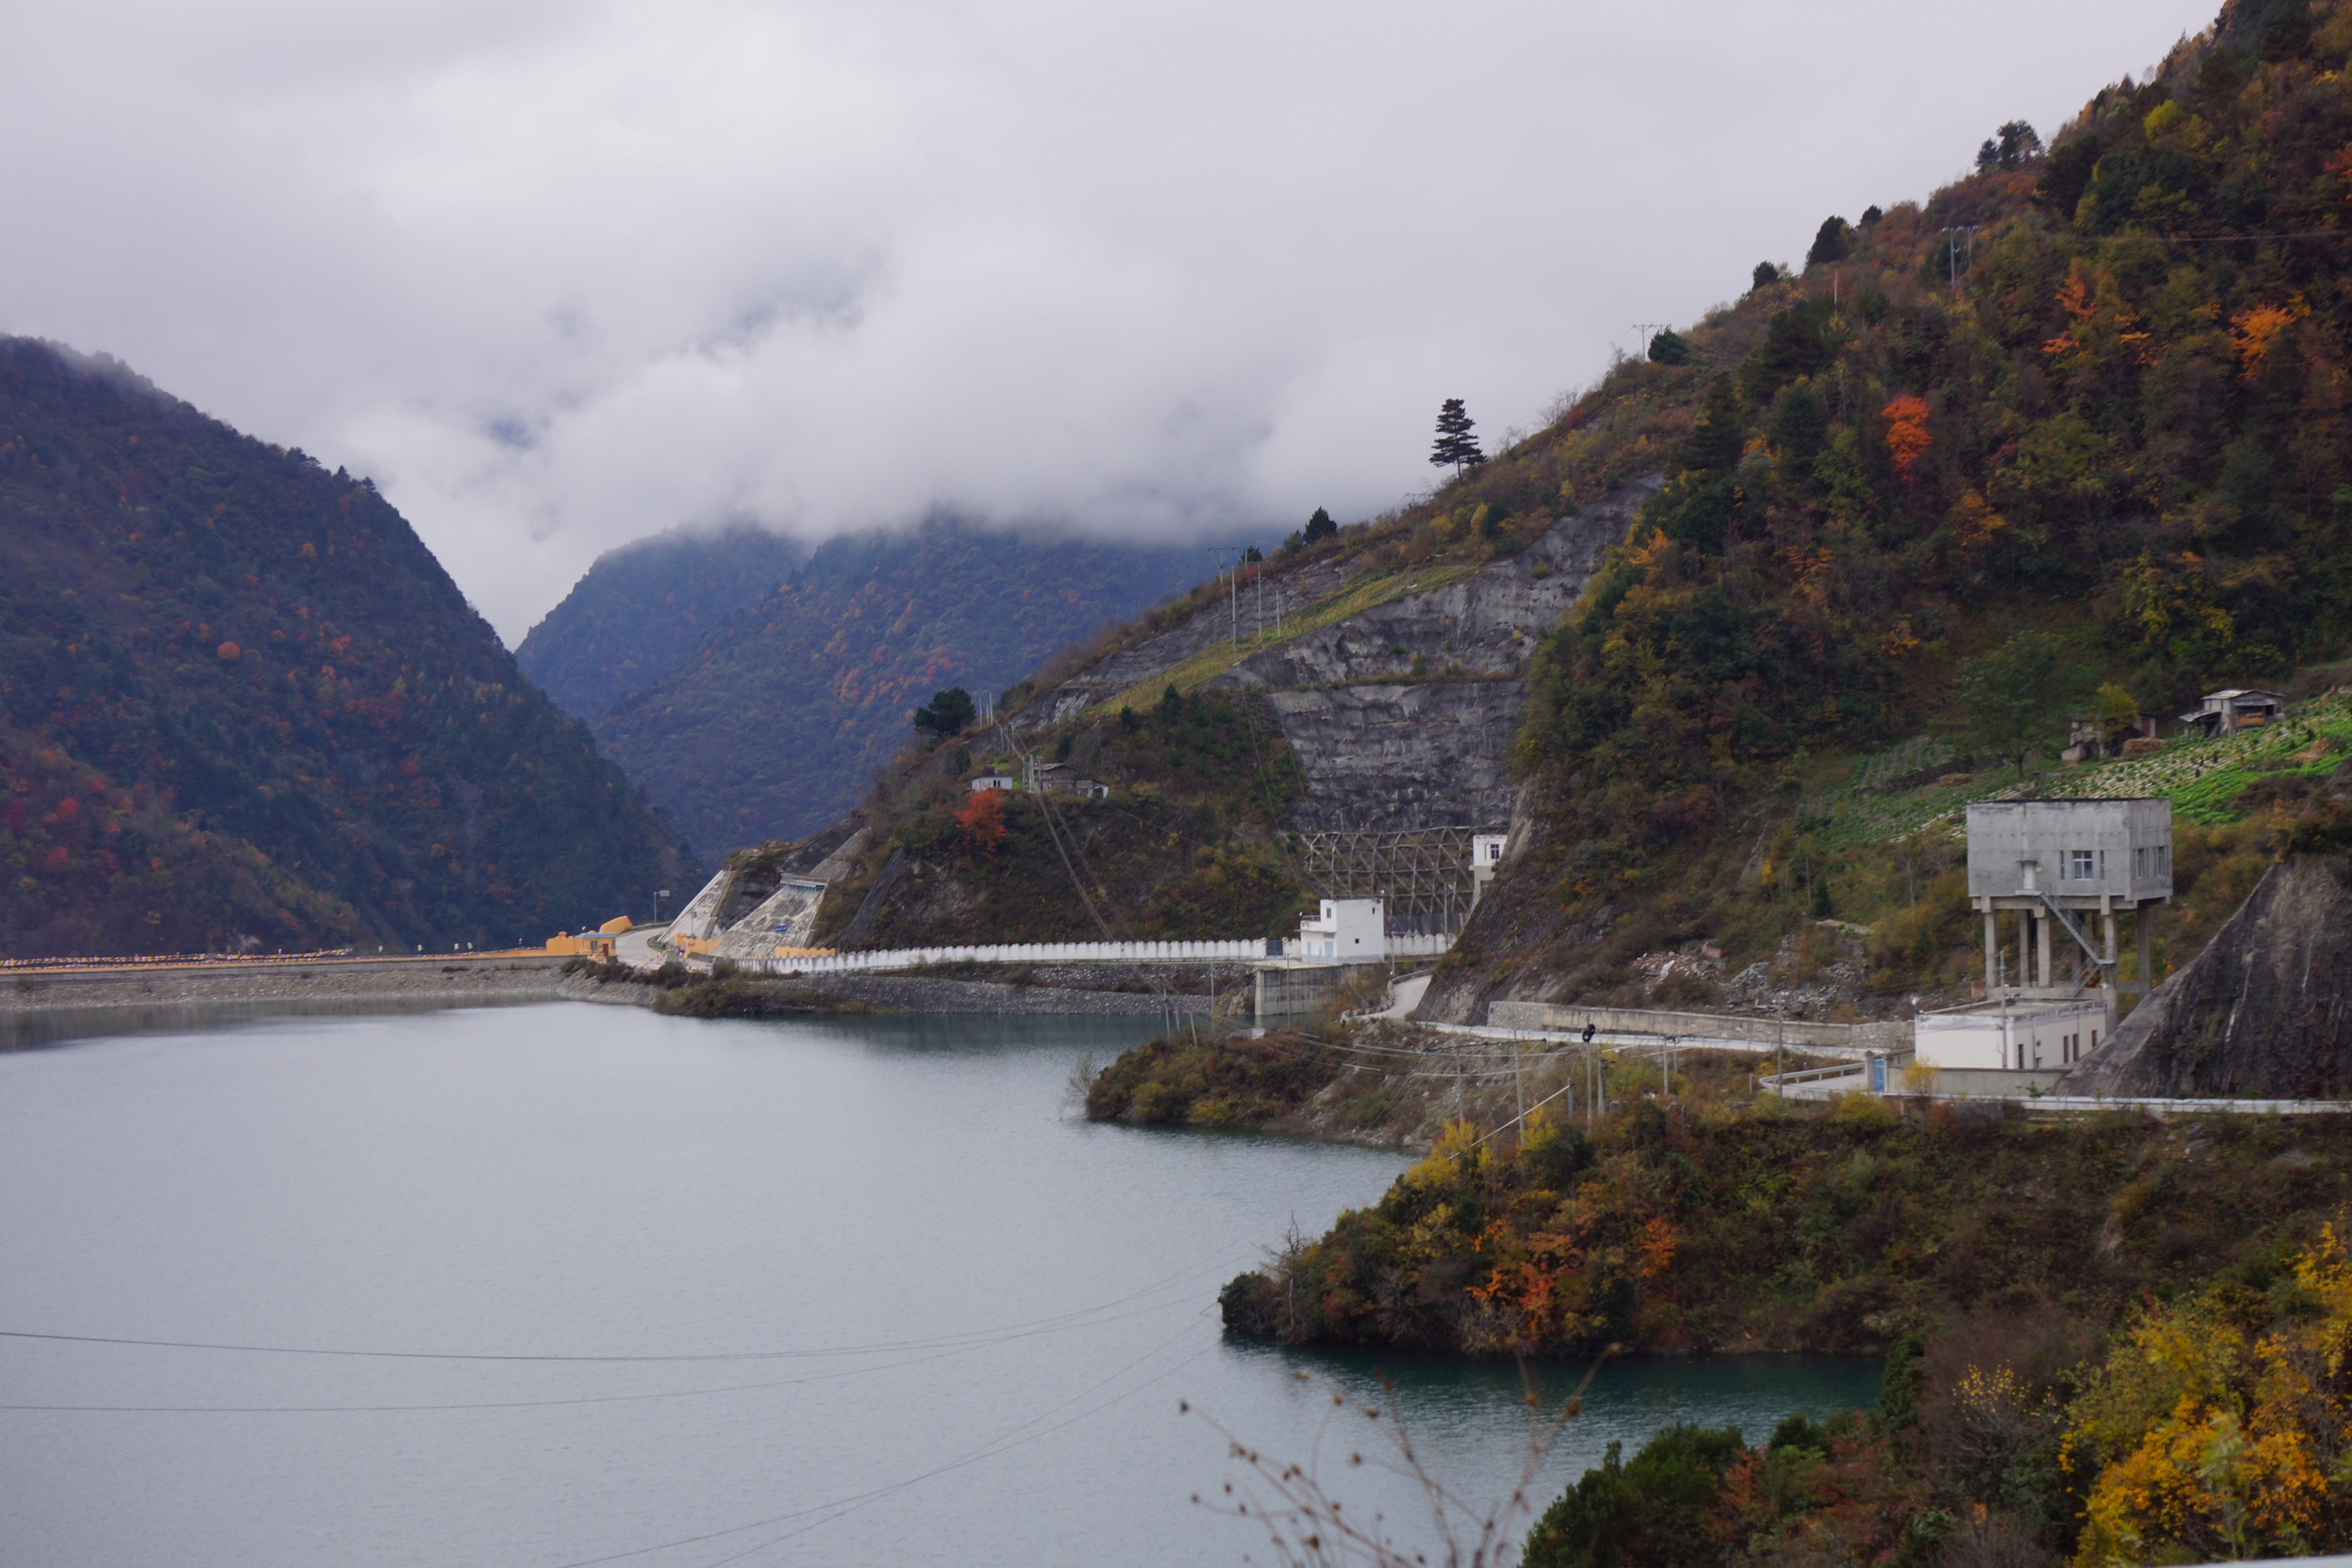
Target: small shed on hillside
{"points": [[2227, 712]]}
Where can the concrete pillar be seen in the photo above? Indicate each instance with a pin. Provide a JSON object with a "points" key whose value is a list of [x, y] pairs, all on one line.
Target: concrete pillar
{"points": [[2142, 918], [1992, 947], [2107, 976], [2041, 924]]}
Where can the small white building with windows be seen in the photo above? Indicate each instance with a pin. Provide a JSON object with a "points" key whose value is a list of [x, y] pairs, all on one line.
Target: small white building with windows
{"points": [[1349, 930], [1485, 854], [2014, 1036], [987, 782]]}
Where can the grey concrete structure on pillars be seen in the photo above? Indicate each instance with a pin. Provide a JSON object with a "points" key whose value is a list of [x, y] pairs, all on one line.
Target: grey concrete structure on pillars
{"points": [[2052, 863]]}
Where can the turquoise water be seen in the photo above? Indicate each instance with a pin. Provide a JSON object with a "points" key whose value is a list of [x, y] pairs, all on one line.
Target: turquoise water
{"points": [[914, 1311]]}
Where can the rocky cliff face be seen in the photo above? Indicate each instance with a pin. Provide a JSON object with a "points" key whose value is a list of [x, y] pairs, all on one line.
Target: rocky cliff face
{"points": [[1401, 715], [2266, 1009], [1483, 625], [1392, 759]]}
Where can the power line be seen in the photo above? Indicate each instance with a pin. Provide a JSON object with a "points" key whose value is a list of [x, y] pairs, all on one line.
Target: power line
{"points": [[1002, 1443], [977, 1336], [585, 1399]]}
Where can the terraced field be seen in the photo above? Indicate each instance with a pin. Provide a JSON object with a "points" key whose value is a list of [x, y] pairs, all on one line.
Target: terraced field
{"points": [[2201, 778]]}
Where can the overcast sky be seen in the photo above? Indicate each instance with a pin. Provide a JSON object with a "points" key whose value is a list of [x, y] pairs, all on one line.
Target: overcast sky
{"points": [[558, 275]]}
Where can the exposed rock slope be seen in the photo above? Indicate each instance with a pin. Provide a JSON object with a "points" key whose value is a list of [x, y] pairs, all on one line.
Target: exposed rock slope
{"points": [[1402, 714], [2266, 1009]]}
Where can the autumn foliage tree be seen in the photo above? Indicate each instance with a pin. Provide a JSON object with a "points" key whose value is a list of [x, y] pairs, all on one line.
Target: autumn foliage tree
{"points": [[981, 821]]}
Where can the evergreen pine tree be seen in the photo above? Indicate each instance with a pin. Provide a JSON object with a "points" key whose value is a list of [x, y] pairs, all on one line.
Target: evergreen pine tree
{"points": [[1455, 445], [1319, 527], [947, 712], [1832, 242]]}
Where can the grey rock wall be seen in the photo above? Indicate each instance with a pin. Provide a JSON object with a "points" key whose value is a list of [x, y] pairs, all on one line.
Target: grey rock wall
{"points": [[1382, 749], [2266, 1009], [1486, 623], [1394, 758]]}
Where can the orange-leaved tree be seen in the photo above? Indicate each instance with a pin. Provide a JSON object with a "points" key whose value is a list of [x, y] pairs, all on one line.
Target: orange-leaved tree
{"points": [[1907, 433], [981, 821]]}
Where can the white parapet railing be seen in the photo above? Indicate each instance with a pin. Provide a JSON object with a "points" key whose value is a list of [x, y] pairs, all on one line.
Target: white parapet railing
{"points": [[1230, 950]]}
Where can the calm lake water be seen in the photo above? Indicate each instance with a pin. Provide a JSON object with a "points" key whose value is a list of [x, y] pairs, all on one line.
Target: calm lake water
{"points": [[855, 1292]]}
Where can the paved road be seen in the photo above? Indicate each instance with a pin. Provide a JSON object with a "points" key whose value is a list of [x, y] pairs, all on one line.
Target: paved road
{"points": [[638, 946]]}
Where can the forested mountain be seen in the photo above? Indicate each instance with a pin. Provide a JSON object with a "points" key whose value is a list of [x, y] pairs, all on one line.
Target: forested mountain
{"points": [[241, 703], [642, 609], [776, 721], [2080, 420], [2072, 436]]}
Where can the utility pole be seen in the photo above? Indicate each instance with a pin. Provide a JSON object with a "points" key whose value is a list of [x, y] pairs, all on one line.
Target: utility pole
{"points": [[1233, 589], [1954, 239]]}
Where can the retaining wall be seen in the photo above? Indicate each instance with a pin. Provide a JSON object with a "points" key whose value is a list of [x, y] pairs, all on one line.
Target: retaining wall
{"points": [[1890, 1034], [1244, 950]]}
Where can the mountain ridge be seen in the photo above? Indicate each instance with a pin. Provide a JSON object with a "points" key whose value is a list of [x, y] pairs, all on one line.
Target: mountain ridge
{"points": [[774, 723], [242, 704], [640, 610]]}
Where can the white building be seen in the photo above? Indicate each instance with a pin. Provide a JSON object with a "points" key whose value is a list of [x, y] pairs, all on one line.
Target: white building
{"points": [[1485, 854], [2027, 1036], [1350, 930], [993, 781]]}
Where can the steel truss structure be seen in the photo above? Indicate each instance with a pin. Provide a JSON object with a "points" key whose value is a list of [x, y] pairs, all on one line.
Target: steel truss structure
{"points": [[1425, 874]]}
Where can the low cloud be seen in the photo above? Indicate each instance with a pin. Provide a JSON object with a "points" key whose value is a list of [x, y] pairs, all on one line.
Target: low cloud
{"points": [[560, 276]]}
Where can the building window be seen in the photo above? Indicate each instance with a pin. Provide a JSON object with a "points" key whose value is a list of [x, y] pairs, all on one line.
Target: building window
{"points": [[2080, 865]]}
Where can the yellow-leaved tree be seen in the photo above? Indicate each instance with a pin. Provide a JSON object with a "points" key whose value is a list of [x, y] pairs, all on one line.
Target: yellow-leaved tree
{"points": [[2221, 1427]]}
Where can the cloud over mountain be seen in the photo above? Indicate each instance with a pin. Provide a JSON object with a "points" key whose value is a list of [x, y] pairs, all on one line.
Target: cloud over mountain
{"points": [[561, 275]]}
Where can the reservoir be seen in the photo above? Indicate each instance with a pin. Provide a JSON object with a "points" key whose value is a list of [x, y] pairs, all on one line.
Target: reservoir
{"points": [[550, 1286]]}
